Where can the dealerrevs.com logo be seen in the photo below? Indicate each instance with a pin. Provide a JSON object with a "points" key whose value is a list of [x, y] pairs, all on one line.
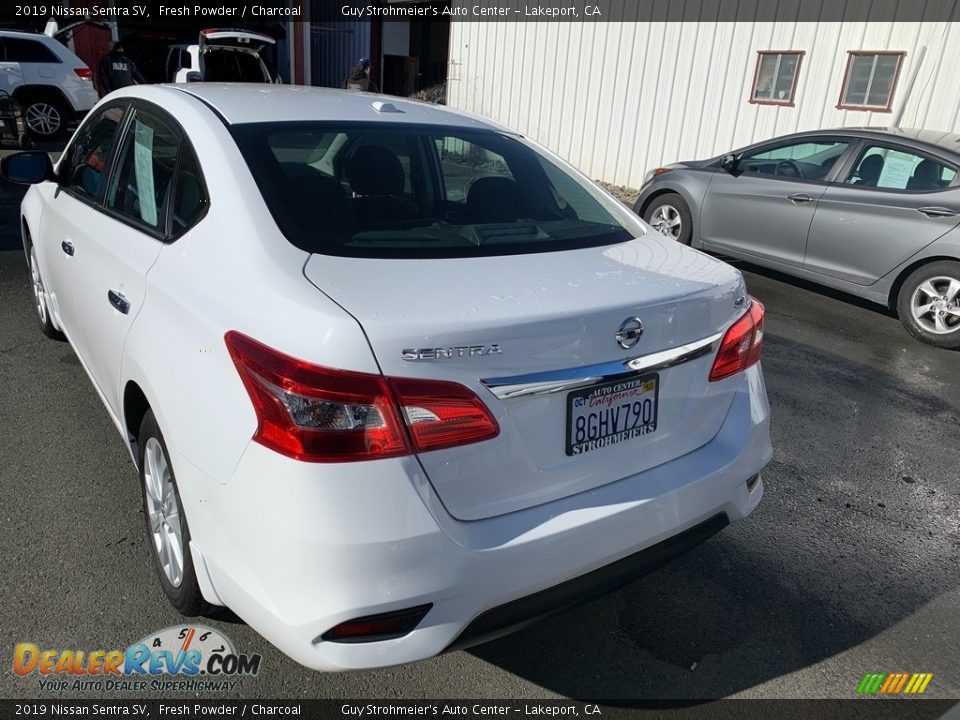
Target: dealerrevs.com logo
{"points": [[199, 658]]}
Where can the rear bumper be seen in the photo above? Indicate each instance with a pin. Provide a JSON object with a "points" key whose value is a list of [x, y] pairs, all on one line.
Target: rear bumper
{"points": [[296, 549], [519, 613]]}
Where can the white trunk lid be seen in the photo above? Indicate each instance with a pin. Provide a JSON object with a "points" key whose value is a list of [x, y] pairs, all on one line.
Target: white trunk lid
{"points": [[545, 313]]}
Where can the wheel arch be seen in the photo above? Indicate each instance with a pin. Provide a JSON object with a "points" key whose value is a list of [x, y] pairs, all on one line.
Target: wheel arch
{"points": [[34, 91], [26, 237], [905, 273], [135, 406], [659, 192]]}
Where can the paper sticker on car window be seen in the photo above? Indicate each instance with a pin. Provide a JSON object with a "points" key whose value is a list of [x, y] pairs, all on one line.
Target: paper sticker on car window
{"points": [[897, 170], [143, 169]]}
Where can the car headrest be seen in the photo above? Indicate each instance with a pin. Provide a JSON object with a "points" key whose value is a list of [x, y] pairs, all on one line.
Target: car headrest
{"points": [[927, 171], [375, 170], [494, 200], [870, 168]]}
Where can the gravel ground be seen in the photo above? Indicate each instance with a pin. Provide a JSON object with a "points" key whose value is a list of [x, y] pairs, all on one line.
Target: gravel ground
{"points": [[626, 195]]}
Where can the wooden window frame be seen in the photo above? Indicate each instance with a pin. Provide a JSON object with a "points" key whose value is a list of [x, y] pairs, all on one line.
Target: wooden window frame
{"points": [[790, 100], [851, 54]]}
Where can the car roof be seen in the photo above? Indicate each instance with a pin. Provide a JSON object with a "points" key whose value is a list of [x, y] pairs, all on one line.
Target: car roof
{"points": [[26, 34], [935, 139], [242, 103]]}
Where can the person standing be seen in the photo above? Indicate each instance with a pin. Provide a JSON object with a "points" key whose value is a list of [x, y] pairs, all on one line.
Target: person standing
{"points": [[117, 70], [359, 78]]}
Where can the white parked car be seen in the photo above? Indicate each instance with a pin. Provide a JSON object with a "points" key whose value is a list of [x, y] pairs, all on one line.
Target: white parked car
{"points": [[54, 86], [395, 378], [221, 55]]}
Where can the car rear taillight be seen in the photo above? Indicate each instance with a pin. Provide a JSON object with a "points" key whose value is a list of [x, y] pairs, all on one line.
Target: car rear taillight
{"points": [[84, 72], [321, 414], [741, 344], [442, 414]]}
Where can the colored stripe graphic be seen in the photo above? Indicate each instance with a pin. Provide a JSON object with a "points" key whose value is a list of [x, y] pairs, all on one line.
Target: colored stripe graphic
{"points": [[918, 683], [894, 683], [871, 683]]}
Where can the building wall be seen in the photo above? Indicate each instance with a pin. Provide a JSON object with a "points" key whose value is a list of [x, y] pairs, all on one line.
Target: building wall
{"points": [[619, 98]]}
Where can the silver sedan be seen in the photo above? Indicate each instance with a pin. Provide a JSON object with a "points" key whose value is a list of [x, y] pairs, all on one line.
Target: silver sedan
{"points": [[872, 212]]}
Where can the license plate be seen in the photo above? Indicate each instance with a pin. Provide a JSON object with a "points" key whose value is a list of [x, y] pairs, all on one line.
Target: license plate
{"points": [[612, 413]]}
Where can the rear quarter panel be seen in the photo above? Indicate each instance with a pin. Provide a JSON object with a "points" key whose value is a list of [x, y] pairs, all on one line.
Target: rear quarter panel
{"points": [[232, 271]]}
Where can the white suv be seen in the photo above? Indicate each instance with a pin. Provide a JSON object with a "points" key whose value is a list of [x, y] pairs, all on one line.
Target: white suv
{"points": [[54, 86]]}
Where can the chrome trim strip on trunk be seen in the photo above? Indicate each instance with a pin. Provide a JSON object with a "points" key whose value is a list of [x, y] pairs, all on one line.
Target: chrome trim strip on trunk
{"points": [[554, 381]]}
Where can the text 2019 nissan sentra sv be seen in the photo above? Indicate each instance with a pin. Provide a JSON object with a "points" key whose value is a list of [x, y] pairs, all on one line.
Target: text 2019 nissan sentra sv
{"points": [[394, 377]]}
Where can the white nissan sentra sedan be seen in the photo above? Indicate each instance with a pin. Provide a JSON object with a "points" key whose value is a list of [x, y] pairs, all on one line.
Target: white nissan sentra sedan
{"points": [[395, 379]]}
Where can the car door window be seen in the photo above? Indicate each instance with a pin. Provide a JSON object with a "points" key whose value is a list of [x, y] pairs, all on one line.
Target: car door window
{"points": [[804, 160], [190, 196], [889, 168], [148, 155], [85, 165]]}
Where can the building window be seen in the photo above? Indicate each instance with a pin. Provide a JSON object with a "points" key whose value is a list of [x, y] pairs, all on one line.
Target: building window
{"points": [[870, 80], [775, 79]]}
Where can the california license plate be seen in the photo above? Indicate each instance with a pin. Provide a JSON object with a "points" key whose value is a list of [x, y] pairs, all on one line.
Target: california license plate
{"points": [[612, 413]]}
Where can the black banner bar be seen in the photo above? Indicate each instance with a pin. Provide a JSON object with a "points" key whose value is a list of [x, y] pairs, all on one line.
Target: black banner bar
{"points": [[227, 13], [893, 709]]}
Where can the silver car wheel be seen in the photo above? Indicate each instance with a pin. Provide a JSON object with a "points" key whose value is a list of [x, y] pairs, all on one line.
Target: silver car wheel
{"points": [[43, 118], [935, 305], [666, 221], [163, 512], [39, 292]]}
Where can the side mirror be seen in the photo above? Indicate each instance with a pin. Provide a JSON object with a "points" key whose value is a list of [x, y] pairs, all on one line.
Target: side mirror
{"points": [[27, 168], [730, 163]]}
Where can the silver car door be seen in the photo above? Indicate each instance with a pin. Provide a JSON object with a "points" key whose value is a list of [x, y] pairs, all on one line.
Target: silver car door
{"points": [[762, 210], [894, 201]]}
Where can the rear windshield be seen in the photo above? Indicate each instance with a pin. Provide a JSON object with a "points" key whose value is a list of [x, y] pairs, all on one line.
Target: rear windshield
{"points": [[366, 190]]}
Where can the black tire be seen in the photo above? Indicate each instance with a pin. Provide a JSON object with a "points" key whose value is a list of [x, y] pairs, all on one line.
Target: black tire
{"points": [[935, 276], [669, 207], [185, 596], [46, 117], [40, 296]]}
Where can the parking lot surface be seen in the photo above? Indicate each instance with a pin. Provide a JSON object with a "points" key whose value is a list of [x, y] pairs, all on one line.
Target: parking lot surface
{"points": [[850, 565]]}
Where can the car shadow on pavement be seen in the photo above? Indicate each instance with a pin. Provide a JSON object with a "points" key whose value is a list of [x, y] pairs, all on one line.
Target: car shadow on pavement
{"points": [[856, 533]]}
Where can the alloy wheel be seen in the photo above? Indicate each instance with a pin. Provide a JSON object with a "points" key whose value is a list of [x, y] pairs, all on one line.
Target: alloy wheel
{"points": [[666, 221], [39, 292], [935, 305], [43, 118], [163, 512]]}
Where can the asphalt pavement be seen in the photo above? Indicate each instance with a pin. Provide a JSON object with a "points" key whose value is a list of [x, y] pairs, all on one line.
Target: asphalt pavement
{"points": [[850, 565]]}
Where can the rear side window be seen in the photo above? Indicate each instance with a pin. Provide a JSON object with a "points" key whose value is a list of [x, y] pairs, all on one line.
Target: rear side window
{"points": [[28, 51], [147, 160], [410, 191], [84, 167], [889, 168], [190, 197]]}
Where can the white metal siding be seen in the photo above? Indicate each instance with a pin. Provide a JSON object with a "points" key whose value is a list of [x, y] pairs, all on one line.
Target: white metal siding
{"points": [[618, 98]]}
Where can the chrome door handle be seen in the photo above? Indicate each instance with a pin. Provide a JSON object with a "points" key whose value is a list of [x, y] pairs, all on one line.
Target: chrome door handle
{"points": [[67, 247], [800, 198], [936, 211], [118, 301]]}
